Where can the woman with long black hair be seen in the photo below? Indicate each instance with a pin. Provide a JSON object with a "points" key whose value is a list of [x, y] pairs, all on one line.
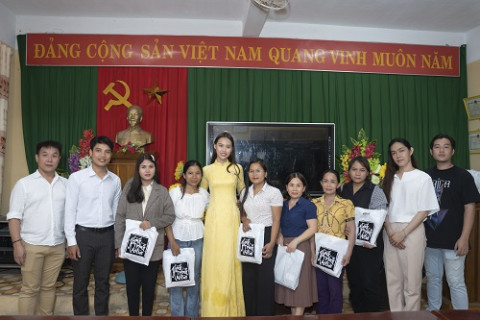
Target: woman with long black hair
{"points": [[221, 289], [190, 201], [411, 199], [261, 204], [146, 200]]}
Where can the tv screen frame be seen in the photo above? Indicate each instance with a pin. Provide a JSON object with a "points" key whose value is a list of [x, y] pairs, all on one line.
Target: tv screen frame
{"points": [[286, 147]]}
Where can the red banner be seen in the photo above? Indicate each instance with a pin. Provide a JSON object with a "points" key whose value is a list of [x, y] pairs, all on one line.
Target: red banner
{"points": [[239, 52]]}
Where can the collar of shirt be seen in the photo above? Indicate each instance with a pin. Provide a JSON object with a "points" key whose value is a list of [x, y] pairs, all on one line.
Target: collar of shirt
{"points": [[92, 173], [250, 190], [38, 175], [321, 200]]}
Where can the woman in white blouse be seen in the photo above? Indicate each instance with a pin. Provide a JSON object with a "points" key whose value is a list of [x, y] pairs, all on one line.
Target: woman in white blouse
{"points": [[411, 198], [261, 204], [190, 201]]}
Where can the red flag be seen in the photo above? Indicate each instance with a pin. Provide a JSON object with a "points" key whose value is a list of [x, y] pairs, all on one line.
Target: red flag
{"points": [[121, 87]]}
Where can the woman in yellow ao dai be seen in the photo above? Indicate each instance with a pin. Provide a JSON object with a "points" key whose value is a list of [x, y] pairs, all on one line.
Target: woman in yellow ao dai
{"points": [[221, 289]]}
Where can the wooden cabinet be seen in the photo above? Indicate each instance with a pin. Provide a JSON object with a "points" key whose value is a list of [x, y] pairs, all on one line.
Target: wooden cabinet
{"points": [[123, 165], [6, 249], [472, 268], [472, 264]]}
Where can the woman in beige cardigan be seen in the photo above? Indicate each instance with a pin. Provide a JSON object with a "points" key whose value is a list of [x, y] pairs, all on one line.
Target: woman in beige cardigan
{"points": [[145, 200]]}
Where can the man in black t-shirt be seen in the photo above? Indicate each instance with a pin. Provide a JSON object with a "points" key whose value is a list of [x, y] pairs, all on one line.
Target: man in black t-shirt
{"points": [[448, 230]]}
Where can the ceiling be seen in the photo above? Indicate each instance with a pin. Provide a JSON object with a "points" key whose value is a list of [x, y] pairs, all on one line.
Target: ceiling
{"points": [[457, 16]]}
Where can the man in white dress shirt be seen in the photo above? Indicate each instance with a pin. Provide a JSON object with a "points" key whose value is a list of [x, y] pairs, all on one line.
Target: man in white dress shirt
{"points": [[90, 207], [35, 221]]}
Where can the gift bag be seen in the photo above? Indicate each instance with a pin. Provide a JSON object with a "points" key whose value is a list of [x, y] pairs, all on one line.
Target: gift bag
{"points": [[288, 266], [179, 270], [368, 224], [138, 244], [329, 252], [250, 243]]}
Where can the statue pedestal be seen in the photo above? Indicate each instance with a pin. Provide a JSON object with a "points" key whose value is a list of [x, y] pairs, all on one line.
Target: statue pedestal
{"points": [[123, 164]]}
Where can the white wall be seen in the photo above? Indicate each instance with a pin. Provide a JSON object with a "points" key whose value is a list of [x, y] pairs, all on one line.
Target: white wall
{"points": [[272, 29], [326, 32], [7, 26], [473, 45], [33, 24]]}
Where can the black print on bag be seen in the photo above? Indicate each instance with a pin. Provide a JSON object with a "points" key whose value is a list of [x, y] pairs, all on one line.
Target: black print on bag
{"points": [[327, 258], [365, 230], [247, 247], [137, 245], [179, 271]]}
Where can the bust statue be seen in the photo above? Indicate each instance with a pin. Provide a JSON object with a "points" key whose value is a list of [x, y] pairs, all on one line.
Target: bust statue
{"points": [[134, 133]]}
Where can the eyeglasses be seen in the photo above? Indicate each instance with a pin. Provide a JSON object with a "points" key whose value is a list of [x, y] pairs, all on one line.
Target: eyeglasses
{"points": [[255, 171]]}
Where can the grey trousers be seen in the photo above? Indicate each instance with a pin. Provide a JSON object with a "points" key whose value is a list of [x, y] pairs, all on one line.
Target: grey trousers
{"points": [[97, 250]]}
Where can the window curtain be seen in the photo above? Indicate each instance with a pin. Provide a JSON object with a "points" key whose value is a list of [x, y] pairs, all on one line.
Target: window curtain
{"points": [[386, 106], [58, 103], [5, 59]]}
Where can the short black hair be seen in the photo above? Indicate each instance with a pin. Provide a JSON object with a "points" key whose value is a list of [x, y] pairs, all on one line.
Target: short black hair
{"points": [[443, 136], [101, 140], [49, 144]]}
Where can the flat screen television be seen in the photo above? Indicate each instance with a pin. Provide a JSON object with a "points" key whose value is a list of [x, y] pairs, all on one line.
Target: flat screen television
{"points": [[308, 148]]}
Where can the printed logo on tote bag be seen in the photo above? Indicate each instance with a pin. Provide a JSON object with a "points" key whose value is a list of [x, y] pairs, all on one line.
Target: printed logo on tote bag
{"points": [[179, 271], [327, 258], [137, 245], [247, 247], [365, 230]]}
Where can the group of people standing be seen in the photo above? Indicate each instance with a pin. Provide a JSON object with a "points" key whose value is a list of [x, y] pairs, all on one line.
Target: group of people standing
{"points": [[426, 221]]}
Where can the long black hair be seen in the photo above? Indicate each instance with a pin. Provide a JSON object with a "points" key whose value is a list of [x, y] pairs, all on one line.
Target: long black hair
{"points": [[188, 164], [247, 183], [392, 167], [231, 157], [135, 194]]}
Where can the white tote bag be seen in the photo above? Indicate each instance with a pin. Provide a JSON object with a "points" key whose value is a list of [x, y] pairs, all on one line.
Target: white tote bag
{"points": [[288, 266], [138, 244], [329, 252], [250, 243], [368, 224], [179, 271]]}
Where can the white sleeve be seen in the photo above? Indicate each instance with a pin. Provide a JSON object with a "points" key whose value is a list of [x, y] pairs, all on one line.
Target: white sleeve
{"points": [[71, 203], [206, 196], [427, 199], [277, 198], [175, 194], [17, 201]]}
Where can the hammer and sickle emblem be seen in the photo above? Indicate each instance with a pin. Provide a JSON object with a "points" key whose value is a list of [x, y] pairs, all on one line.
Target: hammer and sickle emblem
{"points": [[120, 99]]}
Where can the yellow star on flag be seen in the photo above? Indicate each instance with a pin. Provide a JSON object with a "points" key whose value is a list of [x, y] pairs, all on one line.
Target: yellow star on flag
{"points": [[155, 93]]}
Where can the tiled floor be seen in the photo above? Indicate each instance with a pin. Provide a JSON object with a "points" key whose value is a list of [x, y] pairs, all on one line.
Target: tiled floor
{"points": [[10, 282]]}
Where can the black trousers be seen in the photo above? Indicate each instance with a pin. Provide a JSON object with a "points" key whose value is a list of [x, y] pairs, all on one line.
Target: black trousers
{"points": [[259, 284], [366, 279], [138, 275], [97, 250]]}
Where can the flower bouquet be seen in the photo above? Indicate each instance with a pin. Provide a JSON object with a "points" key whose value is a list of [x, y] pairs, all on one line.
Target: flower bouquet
{"points": [[178, 174], [79, 156], [132, 147]]}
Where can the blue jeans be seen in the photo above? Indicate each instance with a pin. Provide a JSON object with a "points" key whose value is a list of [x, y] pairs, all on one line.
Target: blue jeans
{"points": [[435, 261], [189, 307]]}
